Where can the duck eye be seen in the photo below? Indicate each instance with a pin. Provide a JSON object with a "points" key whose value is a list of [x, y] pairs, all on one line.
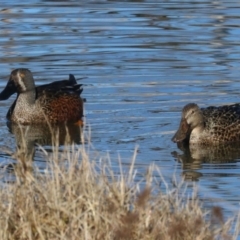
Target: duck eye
{"points": [[193, 112], [22, 75]]}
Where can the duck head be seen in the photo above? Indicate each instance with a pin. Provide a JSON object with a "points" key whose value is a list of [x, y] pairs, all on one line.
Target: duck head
{"points": [[192, 118], [20, 80]]}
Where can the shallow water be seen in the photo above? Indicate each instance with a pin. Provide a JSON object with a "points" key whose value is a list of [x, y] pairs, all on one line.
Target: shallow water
{"points": [[142, 61]]}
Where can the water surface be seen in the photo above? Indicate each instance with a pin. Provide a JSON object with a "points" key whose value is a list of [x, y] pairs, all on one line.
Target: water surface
{"points": [[141, 61]]}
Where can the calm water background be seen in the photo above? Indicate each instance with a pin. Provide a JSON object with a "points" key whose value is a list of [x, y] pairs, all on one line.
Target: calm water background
{"points": [[142, 61]]}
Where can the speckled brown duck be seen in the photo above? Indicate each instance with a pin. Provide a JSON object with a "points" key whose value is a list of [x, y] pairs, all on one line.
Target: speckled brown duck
{"points": [[211, 125], [56, 102]]}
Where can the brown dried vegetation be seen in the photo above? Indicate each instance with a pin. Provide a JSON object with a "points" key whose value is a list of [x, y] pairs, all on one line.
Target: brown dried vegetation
{"points": [[78, 198]]}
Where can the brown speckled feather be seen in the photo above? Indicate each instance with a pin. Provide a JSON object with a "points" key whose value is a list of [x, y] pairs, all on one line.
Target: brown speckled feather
{"points": [[211, 125], [223, 123]]}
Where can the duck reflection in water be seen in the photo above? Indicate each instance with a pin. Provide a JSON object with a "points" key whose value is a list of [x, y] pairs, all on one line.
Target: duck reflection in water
{"points": [[28, 136], [192, 157]]}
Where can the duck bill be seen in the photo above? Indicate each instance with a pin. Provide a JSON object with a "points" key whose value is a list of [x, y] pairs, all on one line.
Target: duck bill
{"points": [[182, 132], [9, 90]]}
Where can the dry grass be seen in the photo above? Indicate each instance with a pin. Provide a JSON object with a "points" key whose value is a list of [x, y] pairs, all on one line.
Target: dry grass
{"points": [[78, 198]]}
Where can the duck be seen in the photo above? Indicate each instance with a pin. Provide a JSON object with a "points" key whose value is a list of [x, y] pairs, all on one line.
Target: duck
{"points": [[209, 126], [56, 102]]}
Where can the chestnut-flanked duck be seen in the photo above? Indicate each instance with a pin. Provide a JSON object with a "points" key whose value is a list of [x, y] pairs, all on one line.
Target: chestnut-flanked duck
{"points": [[56, 102]]}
